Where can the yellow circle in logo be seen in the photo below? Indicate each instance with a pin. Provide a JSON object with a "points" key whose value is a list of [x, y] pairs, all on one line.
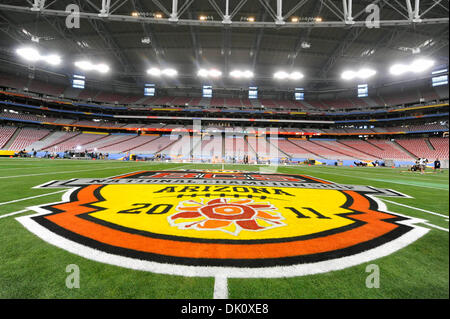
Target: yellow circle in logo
{"points": [[218, 212]]}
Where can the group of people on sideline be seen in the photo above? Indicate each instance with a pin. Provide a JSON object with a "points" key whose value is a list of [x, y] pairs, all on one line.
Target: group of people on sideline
{"points": [[421, 165]]}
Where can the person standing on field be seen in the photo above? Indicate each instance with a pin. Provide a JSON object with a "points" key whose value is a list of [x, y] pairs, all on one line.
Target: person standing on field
{"points": [[437, 165]]}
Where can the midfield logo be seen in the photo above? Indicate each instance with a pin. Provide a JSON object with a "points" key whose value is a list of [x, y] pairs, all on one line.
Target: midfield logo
{"points": [[238, 224]]}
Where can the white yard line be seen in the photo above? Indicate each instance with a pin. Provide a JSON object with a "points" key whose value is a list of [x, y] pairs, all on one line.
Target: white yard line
{"points": [[434, 226], [221, 287], [66, 172], [415, 208], [32, 197], [55, 166], [32, 167], [15, 213]]}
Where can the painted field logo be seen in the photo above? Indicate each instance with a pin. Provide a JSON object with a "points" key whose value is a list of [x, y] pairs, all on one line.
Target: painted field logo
{"points": [[226, 215], [235, 224]]}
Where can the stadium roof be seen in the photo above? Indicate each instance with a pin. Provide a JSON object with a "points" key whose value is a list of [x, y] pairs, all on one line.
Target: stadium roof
{"points": [[136, 34]]}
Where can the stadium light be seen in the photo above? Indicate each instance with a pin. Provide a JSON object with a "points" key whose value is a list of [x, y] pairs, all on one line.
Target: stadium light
{"points": [[417, 66], [203, 73], [421, 65], [366, 73], [102, 68], [398, 69], [89, 66], [29, 54], [360, 74], [169, 72], [214, 73], [32, 55], [154, 72], [348, 75], [247, 74], [158, 72], [282, 75], [84, 65], [296, 76], [53, 59], [235, 74], [238, 74]]}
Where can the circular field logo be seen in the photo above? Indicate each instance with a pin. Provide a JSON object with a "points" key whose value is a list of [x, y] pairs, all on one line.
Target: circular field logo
{"points": [[235, 224]]}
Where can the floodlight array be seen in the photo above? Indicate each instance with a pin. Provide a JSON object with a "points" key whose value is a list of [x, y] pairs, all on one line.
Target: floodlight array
{"points": [[33, 55], [416, 66], [294, 76], [362, 74], [89, 66], [157, 72], [239, 74], [211, 73]]}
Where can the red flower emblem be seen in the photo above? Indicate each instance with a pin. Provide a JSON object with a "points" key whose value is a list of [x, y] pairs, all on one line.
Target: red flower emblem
{"points": [[218, 214]]}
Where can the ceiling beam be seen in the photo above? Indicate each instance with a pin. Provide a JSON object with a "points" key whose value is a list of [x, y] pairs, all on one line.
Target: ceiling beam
{"points": [[67, 34], [438, 36], [195, 43], [161, 7], [105, 35], [257, 44], [340, 51], [10, 28], [236, 24], [294, 9], [351, 37], [148, 32], [226, 48], [304, 35]]}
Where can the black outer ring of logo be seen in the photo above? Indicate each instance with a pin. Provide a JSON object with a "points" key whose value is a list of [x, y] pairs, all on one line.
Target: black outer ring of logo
{"points": [[240, 263]]}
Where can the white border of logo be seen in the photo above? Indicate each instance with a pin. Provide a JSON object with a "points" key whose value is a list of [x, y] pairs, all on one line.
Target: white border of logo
{"points": [[227, 272]]}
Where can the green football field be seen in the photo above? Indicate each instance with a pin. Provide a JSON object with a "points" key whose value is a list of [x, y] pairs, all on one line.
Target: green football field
{"points": [[32, 268]]}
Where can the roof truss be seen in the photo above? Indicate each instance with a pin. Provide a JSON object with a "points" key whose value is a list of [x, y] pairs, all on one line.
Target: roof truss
{"points": [[414, 12]]}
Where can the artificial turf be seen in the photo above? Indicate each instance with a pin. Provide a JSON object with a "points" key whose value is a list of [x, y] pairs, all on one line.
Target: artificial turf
{"points": [[32, 268]]}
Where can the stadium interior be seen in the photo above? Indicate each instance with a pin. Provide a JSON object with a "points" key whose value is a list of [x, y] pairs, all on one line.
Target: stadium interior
{"points": [[320, 118], [312, 114], [226, 149]]}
